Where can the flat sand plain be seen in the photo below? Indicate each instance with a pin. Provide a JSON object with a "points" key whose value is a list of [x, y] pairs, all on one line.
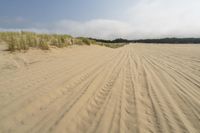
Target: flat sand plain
{"points": [[137, 88]]}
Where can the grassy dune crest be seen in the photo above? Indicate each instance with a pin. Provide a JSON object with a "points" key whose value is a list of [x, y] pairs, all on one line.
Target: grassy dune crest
{"points": [[18, 41]]}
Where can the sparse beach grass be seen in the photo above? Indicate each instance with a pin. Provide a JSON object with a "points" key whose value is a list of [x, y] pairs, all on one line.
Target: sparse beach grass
{"points": [[18, 41]]}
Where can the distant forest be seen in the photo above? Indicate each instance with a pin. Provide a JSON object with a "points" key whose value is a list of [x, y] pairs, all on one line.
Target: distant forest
{"points": [[163, 40]]}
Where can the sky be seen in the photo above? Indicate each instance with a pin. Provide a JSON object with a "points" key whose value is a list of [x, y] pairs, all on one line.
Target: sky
{"points": [[103, 19]]}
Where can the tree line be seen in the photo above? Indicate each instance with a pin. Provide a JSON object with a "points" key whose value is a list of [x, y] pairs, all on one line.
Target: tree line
{"points": [[162, 40]]}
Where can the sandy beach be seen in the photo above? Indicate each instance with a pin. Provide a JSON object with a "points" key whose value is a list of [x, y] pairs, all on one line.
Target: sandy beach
{"points": [[92, 89]]}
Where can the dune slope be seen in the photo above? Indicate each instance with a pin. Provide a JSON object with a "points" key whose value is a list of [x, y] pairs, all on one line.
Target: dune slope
{"points": [[92, 89]]}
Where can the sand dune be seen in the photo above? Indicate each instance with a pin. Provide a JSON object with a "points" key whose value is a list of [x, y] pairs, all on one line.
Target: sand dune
{"points": [[93, 89]]}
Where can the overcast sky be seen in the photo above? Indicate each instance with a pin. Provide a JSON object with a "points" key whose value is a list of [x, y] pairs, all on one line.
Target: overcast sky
{"points": [[107, 19]]}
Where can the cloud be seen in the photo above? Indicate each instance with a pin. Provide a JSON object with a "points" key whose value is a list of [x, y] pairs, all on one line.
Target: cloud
{"points": [[146, 19], [162, 18], [98, 28]]}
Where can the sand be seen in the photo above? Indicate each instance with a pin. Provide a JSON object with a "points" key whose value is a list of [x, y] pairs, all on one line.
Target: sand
{"points": [[92, 89]]}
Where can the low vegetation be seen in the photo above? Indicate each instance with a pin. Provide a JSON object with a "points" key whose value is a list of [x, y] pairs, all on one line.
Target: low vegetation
{"points": [[171, 40], [83, 41], [18, 41], [111, 45], [162, 40]]}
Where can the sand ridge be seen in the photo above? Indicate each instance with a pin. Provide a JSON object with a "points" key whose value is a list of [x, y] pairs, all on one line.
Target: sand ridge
{"points": [[92, 89]]}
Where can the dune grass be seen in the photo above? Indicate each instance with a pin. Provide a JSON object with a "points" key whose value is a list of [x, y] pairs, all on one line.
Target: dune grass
{"points": [[18, 41], [25, 40]]}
